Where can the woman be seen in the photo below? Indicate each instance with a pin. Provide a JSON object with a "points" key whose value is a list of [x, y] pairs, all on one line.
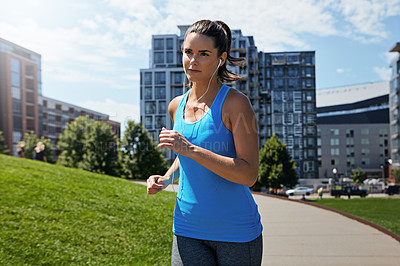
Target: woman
{"points": [[215, 135]]}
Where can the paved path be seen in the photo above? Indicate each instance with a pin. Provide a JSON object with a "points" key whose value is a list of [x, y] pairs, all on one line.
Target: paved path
{"points": [[300, 234]]}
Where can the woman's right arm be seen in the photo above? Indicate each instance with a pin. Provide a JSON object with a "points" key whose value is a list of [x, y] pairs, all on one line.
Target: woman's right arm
{"points": [[156, 183]]}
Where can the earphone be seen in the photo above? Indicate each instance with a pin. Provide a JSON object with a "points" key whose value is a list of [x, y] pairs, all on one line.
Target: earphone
{"points": [[183, 117]]}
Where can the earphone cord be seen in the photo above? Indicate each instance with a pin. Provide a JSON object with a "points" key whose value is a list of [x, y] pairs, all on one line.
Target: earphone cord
{"points": [[183, 117]]}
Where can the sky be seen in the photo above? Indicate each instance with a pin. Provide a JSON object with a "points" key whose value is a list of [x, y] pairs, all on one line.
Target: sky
{"points": [[92, 50]]}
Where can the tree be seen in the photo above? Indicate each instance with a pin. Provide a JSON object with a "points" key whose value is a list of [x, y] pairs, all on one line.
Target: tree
{"points": [[72, 142], [276, 168], [3, 147], [140, 156], [100, 149], [30, 143], [89, 145], [396, 174], [358, 176]]}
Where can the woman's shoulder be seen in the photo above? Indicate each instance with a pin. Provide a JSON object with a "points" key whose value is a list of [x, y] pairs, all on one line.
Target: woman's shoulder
{"points": [[236, 99], [173, 105]]}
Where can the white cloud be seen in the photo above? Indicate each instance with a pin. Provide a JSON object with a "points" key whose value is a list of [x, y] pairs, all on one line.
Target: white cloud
{"points": [[383, 72], [340, 70], [120, 112]]}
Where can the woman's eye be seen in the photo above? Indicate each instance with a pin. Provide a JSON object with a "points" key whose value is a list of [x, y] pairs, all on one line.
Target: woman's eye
{"points": [[204, 54], [188, 52]]}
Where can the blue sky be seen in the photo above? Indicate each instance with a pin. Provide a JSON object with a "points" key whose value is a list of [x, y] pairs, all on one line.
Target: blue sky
{"points": [[92, 50]]}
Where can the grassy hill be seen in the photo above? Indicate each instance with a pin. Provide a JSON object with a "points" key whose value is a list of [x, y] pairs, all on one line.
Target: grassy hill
{"points": [[55, 215]]}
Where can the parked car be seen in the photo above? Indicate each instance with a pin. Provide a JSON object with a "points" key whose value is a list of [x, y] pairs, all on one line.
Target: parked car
{"points": [[349, 190], [390, 190], [299, 191]]}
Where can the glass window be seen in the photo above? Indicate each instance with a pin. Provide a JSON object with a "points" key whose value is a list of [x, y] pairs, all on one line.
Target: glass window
{"points": [[278, 118], [308, 83], [177, 78], [365, 141], [334, 142], [293, 83], [16, 93], [159, 78], [160, 93], [15, 65], [162, 107], [308, 96], [147, 78], [17, 107], [335, 132], [170, 57], [170, 44], [293, 71], [148, 93], [307, 60], [148, 122], [278, 59], [293, 59], [335, 152], [15, 79], [364, 151], [150, 108], [279, 83], [349, 142], [160, 121], [159, 57], [278, 72], [349, 133], [158, 44], [307, 72], [177, 92], [365, 131]]}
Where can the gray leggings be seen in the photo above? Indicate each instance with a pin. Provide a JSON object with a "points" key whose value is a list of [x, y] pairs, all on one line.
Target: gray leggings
{"points": [[188, 251]]}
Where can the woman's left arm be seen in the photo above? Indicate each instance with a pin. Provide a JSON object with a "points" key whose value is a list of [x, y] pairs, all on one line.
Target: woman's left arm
{"points": [[242, 122]]}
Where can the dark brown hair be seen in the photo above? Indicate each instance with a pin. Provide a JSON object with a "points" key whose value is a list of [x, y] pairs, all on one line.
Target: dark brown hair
{"points": [[221, 34]]}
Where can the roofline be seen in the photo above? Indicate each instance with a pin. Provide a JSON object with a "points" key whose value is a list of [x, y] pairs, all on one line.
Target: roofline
{"points": [[396, 48], [19, 46], [352, 85]]}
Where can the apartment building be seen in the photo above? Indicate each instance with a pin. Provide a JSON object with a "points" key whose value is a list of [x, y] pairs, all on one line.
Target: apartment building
{"points": [[20, 87], [354, 130], [394, 107], [288, 89], [23, 108], [280, 87]]}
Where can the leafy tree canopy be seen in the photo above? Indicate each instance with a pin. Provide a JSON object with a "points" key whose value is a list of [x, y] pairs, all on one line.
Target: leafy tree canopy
{"points": [[276, 168], [140, 156]]}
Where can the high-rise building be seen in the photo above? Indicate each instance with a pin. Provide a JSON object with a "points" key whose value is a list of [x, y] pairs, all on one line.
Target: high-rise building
{"points": [[394, 107], [23, 108], [280, 86], [288, 89], [353, 130], [20, 87]]}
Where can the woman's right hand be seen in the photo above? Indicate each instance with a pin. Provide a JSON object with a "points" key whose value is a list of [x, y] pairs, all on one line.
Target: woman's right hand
{"points": [[155, 184]]}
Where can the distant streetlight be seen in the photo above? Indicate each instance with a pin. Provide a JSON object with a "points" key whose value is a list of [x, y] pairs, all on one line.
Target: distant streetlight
{"points": [[334, 171]]}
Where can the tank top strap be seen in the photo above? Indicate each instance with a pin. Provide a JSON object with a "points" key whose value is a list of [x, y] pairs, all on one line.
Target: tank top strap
{"points": [[220, 99]]}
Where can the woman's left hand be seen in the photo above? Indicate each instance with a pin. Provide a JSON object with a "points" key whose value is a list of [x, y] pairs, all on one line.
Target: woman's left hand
{"points": [[173, 140]]}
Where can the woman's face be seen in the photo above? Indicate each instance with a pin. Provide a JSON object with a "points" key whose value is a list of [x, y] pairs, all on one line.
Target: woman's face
{"points": [[200, 57]]}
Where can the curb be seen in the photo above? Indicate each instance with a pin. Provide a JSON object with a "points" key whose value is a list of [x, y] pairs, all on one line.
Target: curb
{"points": [[358, 219]]}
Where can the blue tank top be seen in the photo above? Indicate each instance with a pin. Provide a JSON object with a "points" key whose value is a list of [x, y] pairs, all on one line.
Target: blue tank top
{"points": [[208, 206]]}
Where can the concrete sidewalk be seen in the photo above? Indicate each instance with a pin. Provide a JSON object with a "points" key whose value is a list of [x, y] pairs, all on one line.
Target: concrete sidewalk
{"points": [[301, 234]]}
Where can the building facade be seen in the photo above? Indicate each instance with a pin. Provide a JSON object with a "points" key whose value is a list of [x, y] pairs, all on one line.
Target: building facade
{"points": [[56, 114], [20, 87], [23, 108], [280, 87], [289, 107], [394, 107], [353, 134]]}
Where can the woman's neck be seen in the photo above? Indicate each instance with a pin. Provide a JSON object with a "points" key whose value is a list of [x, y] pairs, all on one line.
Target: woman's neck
{"points": [[199, 89]]}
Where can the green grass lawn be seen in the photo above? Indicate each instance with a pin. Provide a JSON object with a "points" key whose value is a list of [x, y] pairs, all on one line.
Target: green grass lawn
{"points": [[56, 215], [382, 211]]}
